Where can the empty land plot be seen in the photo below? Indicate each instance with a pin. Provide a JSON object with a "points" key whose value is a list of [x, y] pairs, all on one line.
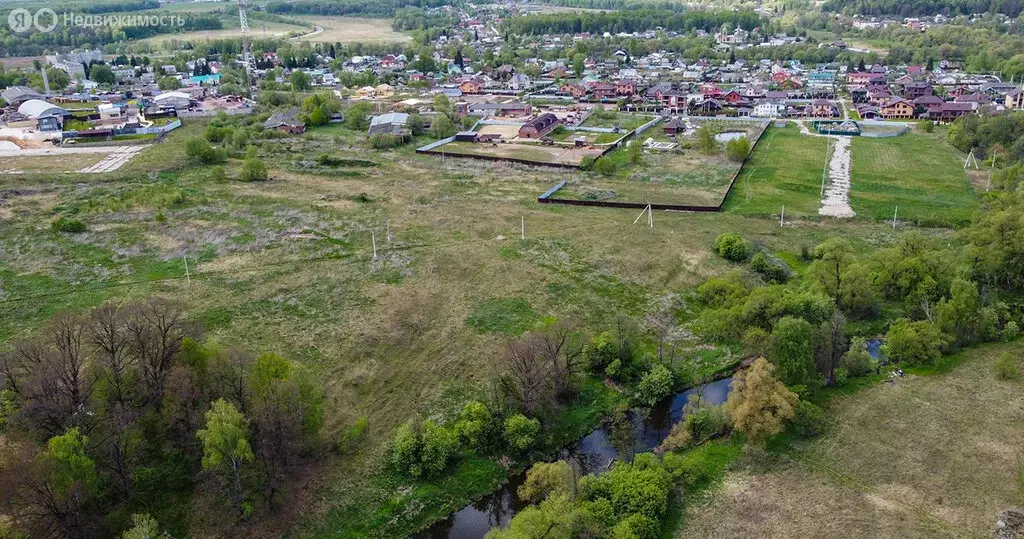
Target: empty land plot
{"points": [[922, 174], [507, 132], [258, 29], [353, 29], [609, 118], [784, 170], [562, 155], [689, 179], [928, 456]]}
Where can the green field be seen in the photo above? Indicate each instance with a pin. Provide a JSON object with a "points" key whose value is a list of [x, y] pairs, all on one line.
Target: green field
{"points": [[919, 173], [286, 266], [784, 170], [932, 455]]}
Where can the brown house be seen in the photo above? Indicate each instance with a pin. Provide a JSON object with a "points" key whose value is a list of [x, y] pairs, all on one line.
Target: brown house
{"points": [[604, 90], [575, 90], [471, 87], [896, 108], [539, 126], [626, 87]]}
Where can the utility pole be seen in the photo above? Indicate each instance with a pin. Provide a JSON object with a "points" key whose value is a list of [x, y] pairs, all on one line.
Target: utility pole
{"points": [[782, 218], [373, 238], [894, 217], [247, 57], [188, 278]]}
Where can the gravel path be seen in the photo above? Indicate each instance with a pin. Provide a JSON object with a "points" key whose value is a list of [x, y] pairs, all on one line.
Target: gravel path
{"points": [[837, 193]]}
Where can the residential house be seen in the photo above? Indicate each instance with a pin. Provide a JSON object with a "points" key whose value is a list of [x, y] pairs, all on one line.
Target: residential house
{"points": [[823, 108], [391, 123], [950, 111], [472, 86], [604, 90], [896, 108], [286, 121], [769, 109], [1015, 99], [575, 90], [626, 87], [539, 126], [16, 95], [915, 89]]}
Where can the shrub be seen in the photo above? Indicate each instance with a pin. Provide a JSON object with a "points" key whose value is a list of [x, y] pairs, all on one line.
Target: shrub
{"points": [[927, 126], [521, 432], [636, 526], [200, 151], [700, 423], [1007, 367], [737, 149], [1010, 331], [721, 291], [605, 167], [474, 425], [771, 269], [732, 247], [352, 434], [914, 343], [423, 450], [217, 174], [756, 343], [655, 385], [69, 225], [857, 361], [384, 141], [809, 420], [253, 170]]}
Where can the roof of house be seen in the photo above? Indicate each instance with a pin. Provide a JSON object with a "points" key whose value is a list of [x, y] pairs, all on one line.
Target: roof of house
{"points": [[542, 121], [391, 118], [284, 118], [16, 94]]}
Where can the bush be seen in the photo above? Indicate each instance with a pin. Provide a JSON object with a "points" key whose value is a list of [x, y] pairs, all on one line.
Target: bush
{"points": [[384, 141], [927, 126], [423, 450], [66, 224], [857, 361], [1007, 367], [809, 420], [200, 151], [253, 170], [732, 247], [217, 174], [914, 343], [737, 149], [636, 526], [655, 385], [605, 167], [352, 434], [474, 425], [700, 423], [771, 269], [521, 432], [1010, 331]]}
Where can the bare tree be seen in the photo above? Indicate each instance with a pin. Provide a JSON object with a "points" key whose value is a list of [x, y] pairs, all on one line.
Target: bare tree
{"points": [[108, 335], [529, 374], [562, 348], [156, 328], [54, 384]]}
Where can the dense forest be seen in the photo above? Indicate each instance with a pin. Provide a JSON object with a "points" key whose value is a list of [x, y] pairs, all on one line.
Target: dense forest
{"points": [[916, 8], [368, 8], [630, 21], [113, 419], [119, 7], [73, 37]]}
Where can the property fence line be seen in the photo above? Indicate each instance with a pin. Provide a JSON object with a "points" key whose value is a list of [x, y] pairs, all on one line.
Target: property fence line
{"points": [[547, 197]]}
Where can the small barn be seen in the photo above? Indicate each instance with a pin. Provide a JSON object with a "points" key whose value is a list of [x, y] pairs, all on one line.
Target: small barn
{"points": [[539, 126], [287, 121]]}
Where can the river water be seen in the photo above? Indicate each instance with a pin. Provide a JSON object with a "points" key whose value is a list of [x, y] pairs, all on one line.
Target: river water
{"points": [[591, 454]]}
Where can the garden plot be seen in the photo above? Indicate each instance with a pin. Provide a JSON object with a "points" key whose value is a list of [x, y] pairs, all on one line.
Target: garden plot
{"points": [[542, 155], [81, 160]]}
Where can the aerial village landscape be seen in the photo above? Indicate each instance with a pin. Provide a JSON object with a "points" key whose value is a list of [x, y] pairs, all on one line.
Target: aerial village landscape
{"points": [[541, 269]]}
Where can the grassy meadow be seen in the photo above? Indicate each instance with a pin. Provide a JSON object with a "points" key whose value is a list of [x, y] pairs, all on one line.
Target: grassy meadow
{"points": [[921, 173], [918, 172], [931, 455], [784, 170], [287, 266]]}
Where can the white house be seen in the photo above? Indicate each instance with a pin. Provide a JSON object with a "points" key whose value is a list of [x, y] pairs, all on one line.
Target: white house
{"points": [[172, 100], [769, 109]]}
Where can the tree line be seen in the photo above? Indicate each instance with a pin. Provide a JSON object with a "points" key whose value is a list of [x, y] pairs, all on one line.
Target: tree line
{"points": [[917, 8], [377, 8], [639, 20], [127, 411]]}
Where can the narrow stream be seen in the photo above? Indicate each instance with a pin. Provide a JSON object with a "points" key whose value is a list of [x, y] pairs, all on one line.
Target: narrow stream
{"points": [[591, 454]]}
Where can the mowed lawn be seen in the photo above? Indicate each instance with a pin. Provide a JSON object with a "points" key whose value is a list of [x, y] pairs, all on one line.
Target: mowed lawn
{"points": [[922, 174], [927, 456], [784, 170]]}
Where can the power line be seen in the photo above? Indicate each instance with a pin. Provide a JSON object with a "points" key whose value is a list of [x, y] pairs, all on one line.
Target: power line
{"points": [[344, 259]]}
